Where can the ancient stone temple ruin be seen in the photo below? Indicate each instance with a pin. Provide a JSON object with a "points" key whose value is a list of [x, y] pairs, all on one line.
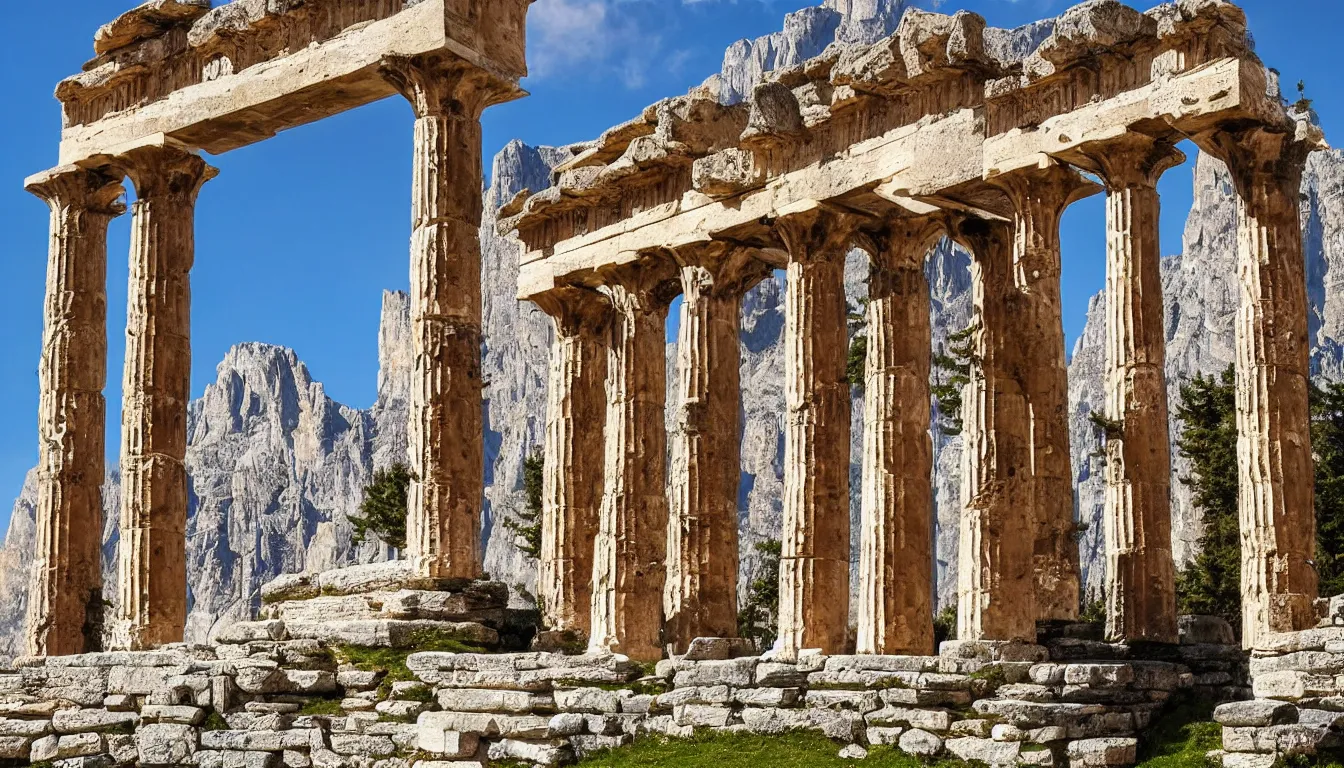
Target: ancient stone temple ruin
{"points": [[888, 147], [173, 78], [938, 130]]}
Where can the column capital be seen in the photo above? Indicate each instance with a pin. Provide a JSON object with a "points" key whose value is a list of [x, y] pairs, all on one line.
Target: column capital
{"points": [[718, 268], [166, 171], [820, 233], [645, 286], [899, 245], [1133, 160], [1050, 187], [574, 308], [1257, 154], [439, 85], [96, 191], [983, 238]]}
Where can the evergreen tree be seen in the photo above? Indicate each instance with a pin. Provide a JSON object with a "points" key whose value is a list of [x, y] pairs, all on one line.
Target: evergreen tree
{"points": [[857, 364], [1211, 584], [526, 525], [951, 373], [1327, 441], [758, 619], [383, 511]]}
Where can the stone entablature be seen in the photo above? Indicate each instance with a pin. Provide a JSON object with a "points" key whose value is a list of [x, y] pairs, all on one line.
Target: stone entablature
{"points": [[222, 78], [882, 148]]}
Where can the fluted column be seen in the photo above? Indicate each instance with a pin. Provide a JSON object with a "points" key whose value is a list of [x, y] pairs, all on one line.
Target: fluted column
{"points": [[1039, 197], [629, 565], [446, 432], [576, 409], [1276, 491], [995, 569], [157, 387], [1140, 572], [814, 566], [65, 603], [702, 542], [896, 538]]}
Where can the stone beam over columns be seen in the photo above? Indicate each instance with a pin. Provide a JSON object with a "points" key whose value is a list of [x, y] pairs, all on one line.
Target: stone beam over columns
{"points": [[996, 587], [1140, 571], [702, 542], [896, 539], [152, 570], [629, 565], [572, 479], [1039, 196], [814, 566], [65, 604], [446, 433], [1276, 497]]}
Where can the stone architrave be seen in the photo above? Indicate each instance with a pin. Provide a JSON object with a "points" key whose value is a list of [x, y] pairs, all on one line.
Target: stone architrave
{"points": [[702, 540], [65, 605], [896, 532], [1039, 196], [152, 571], [814, 564], [995, 575], [1276, 494], [1140, 571], [576, 411], [446, 431], [629, 563]]}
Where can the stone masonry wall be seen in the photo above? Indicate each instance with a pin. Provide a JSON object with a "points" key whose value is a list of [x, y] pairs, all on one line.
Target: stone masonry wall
{"points": [[264, 701]]}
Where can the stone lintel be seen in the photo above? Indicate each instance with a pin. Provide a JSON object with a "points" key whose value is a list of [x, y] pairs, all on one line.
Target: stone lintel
{"points": [[312, 83]]}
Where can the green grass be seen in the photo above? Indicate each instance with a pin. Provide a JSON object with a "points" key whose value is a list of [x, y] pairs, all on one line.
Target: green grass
{"points": [[794, 750], [393, 660], [1181, 736], [331, 707]]}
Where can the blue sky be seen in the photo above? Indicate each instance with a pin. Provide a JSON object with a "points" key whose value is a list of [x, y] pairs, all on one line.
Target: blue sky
{"points": [[298, 237]]}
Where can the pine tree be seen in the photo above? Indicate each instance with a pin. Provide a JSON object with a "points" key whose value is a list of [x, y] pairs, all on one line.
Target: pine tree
{"points": [[758, 619], [1211, 584], [383, 511], [526, 525], [856, 365], [951, 373], [1327, 441]]}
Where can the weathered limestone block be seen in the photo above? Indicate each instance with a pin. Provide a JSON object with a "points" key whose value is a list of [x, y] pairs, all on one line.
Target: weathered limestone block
{"points": [[572, 479], [1140, 571], [814, 567], [896, 531], [1039, 197], [446, 433], [147, 20], [1276, 495], [1258, 713], [65, 596], [995, 583], [631, 547], [702, 548], [152, 569]]}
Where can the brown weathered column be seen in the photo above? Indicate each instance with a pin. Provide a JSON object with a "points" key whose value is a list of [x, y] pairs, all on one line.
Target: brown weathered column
{"points": [[1276, 496], [65, 603], [702, 542], [447, 433], [156, 390], [572, 486], [629, 565], [1140, 572], [1039, 197], [896, 539], [995, 581], [814, 566]]}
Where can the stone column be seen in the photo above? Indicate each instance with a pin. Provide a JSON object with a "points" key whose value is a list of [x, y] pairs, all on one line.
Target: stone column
{"points": [[572, 485], [995, 581], [156, 390], [1140, 571], [446, 433], [1039, 197], [65, 603], [814, 566], [629, 564], [1276, 498], [896, 549], [702, 542]]}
